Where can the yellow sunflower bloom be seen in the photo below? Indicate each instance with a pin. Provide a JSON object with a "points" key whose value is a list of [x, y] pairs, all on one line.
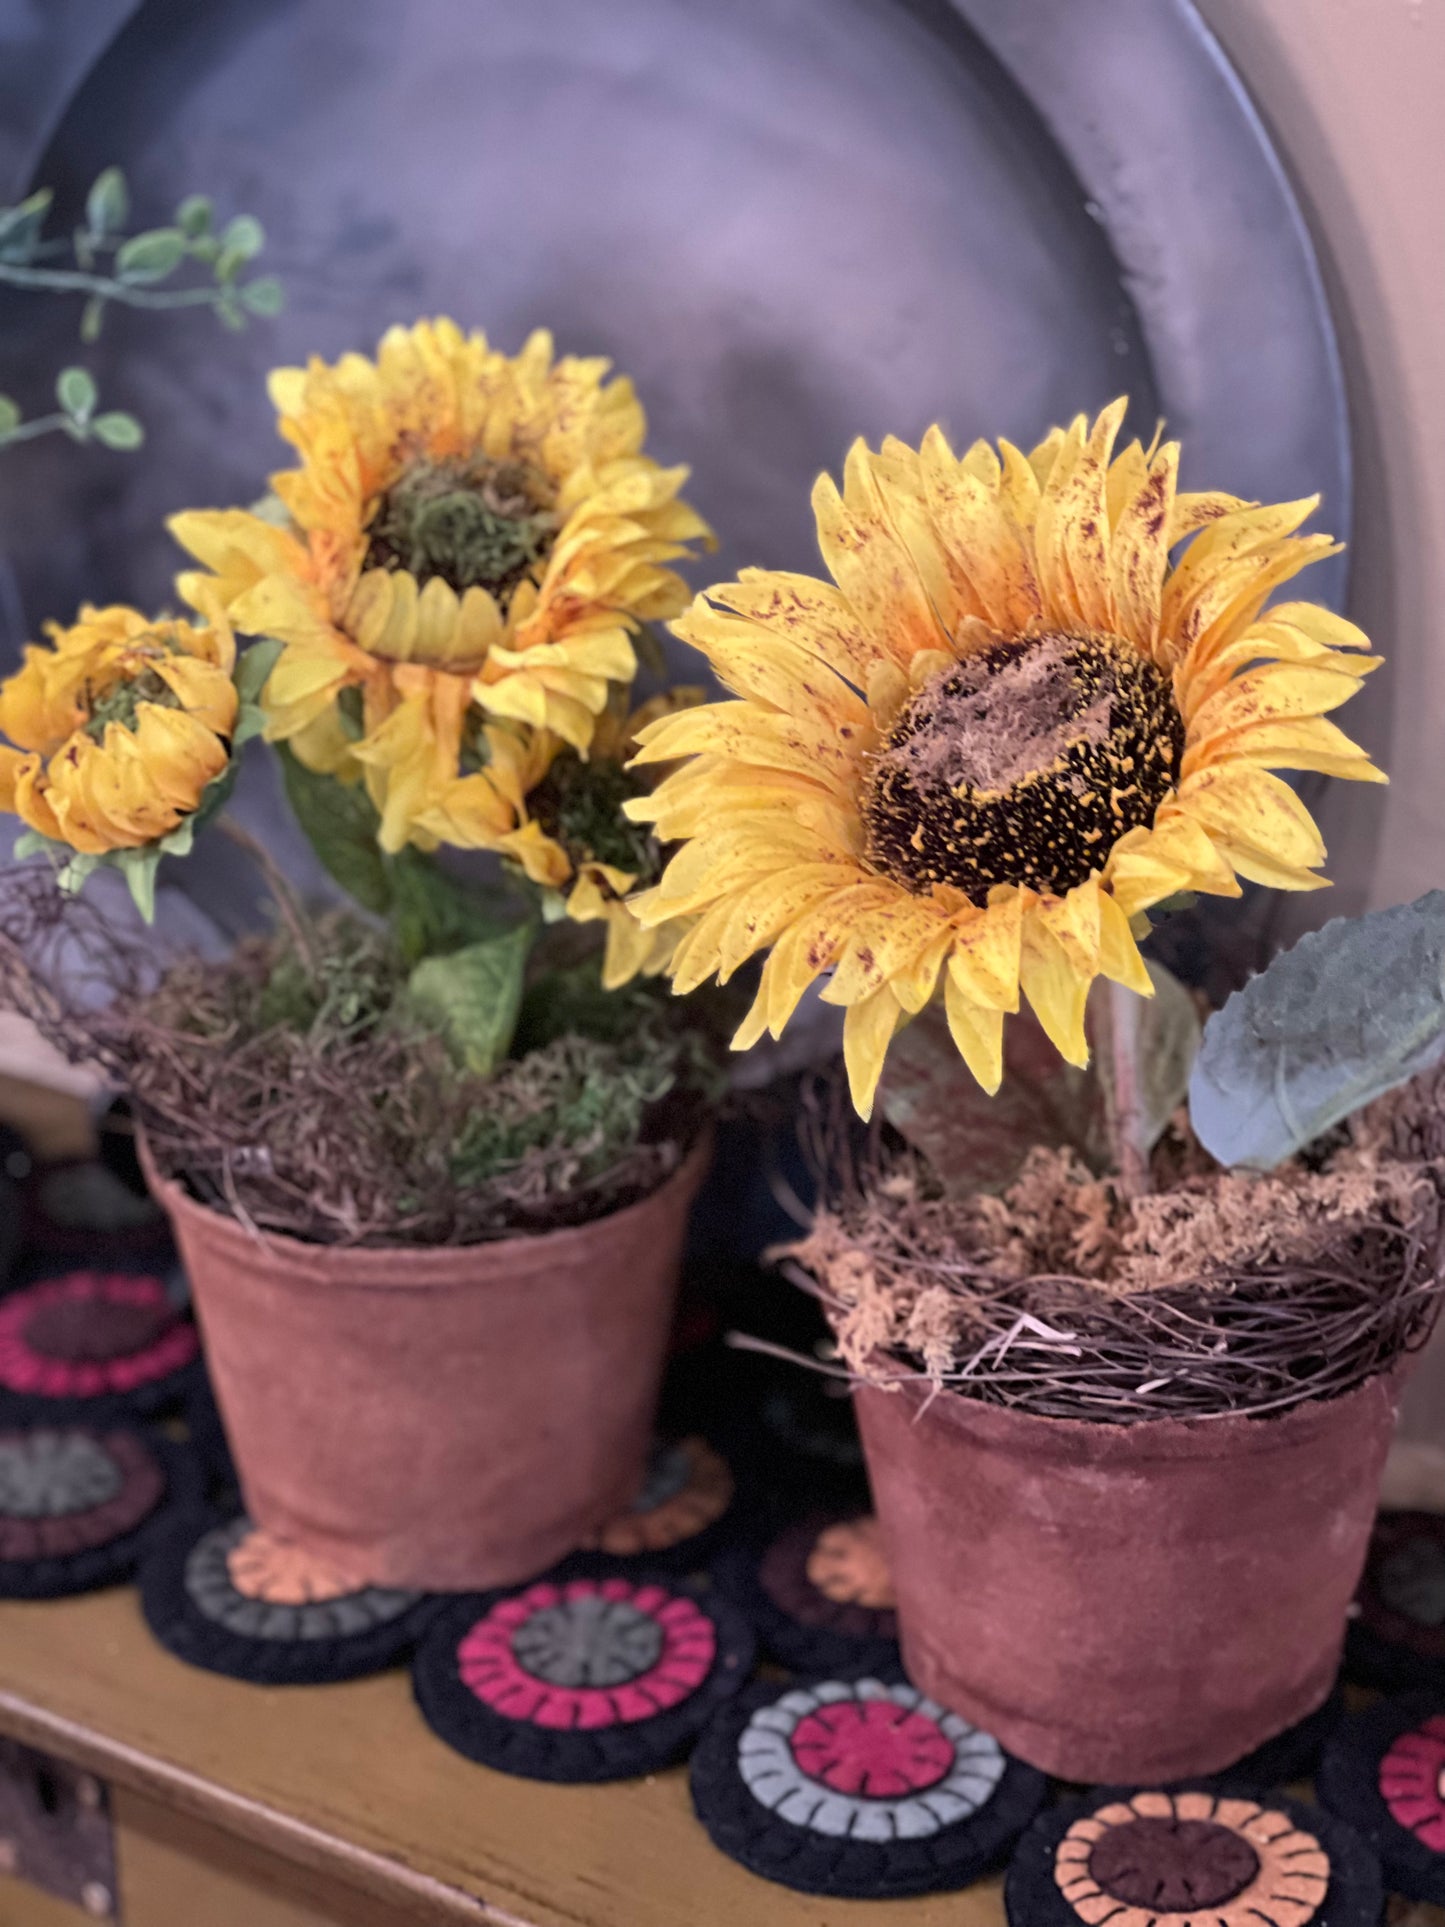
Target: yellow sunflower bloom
{"points": [[1015, 723], [466, 528], [559, 819], [118, 726]]}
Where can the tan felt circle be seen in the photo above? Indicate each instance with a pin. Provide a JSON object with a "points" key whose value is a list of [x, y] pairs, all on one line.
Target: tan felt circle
{"points": [[703, 1498], [1288, 1890], [263, 1567], [849, 1566]]}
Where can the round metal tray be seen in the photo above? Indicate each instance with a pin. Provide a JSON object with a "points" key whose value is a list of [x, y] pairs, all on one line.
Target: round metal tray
{"points": [[792, 221]]}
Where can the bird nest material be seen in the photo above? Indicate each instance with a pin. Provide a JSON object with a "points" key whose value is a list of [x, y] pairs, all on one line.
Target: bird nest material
{"points": [[1221, 1293], [286, 1086]]}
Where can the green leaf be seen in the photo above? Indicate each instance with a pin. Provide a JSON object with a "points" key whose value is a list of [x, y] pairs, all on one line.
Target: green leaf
{"points": [[193, 216], [433, 913], [244, 237], [254, 668], [1350, 1012], [975, 1142], [20, 226], [151, 256], [978, 1143], [118, 430], [473, 996], [108, 203], [92, 318], [264, 297], [341, 824], [9, 416], [75, 391]]}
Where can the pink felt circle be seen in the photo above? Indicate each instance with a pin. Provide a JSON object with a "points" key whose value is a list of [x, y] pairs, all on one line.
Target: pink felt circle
{"points": [[490, 1668], [23, 1369], [874, 1747], [1412, 1782]]}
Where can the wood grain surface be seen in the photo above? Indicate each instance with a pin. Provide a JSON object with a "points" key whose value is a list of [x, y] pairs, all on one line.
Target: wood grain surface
{"points": [[348, 1785]]}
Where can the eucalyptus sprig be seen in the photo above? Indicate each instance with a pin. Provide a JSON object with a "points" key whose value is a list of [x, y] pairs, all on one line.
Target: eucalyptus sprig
{"points": [[155, 268]]}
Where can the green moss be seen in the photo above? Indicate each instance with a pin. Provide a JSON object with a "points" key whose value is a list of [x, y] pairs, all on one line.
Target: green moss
{"points": [[473, 524], [119, 704], [580, 804]]}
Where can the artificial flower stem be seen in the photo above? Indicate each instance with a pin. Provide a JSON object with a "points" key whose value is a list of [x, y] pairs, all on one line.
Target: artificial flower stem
{"points": [[287, 902], [1121, 1016]]}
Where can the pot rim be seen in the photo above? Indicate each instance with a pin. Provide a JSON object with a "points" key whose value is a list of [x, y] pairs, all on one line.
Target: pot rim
{"points": [[1040, 1435], [177, 1202]]}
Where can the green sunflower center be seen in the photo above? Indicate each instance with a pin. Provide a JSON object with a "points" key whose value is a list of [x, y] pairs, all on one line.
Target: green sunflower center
{"points": [[579, 805], [474, 523], [122, 700], [1023, 763]]}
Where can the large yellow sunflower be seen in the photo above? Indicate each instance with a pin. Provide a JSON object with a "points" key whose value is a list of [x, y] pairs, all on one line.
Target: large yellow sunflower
{"points": [[1013, 725], [120, 724], [466, 528], [559, 818]]}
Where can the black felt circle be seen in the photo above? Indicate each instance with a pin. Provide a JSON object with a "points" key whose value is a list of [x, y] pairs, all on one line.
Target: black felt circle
{"points": [[1355, 1896], [1289, 1757], [835, 1640], [1396, 1637], [1348, 1782], [615, 1752], [190, 1634], [794, 1855], [54, 1577], [152, 1396]]}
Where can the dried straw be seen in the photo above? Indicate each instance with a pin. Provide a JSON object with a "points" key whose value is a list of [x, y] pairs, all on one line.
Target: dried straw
{"points": [[1254, 1339]]}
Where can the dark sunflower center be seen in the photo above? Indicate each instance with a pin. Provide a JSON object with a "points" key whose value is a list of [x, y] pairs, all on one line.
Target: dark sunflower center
{"points": [[1024, 763], [120, 702], [1173, 1866], [580, 805], [473, 523]]}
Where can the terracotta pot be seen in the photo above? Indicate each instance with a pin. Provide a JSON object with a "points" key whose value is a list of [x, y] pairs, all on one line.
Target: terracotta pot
{"points": [[447, 1418], [1125, 1603]]}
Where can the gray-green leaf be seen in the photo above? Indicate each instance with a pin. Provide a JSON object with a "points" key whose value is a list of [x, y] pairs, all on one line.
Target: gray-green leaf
{"points": [[151, 256], [244, 237], [473, 996], [193, 216], [1350, 1012], [20, 226], [75, 391], [108, 203], [254, 668], [9, 416], [265, 297], [118, 430]]}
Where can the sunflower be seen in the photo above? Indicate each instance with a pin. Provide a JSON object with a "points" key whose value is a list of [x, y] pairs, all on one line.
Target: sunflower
{"points": [[465, 529], [559, 818], [120, 724], [1016, 723]]}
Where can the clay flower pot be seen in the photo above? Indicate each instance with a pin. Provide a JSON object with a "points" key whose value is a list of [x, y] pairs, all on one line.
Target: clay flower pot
{"points": [[447, 1418], [1126, 1604]]}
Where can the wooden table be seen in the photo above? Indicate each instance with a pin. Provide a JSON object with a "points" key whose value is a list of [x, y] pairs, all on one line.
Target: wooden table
{"points": [[334, 1806]]}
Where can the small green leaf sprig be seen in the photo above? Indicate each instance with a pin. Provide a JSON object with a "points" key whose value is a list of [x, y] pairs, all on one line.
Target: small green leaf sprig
{"points": [[101, 261]]}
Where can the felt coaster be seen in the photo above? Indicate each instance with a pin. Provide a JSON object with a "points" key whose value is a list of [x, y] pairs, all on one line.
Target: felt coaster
{"points": [[79, 1505], [1384, 1772], [592, 1675], [94, 1344], [860, 1789], [1289, 1756], [681, 1515], [1201, 1857], [228, 1597], [1280, 1762], [820, 1596], [1396, 1638]]}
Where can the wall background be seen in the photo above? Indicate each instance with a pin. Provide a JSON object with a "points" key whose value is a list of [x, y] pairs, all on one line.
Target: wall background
{"points": [[1351, 90]]}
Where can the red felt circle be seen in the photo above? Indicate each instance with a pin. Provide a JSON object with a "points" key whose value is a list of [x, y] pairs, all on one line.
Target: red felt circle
{"points": [[38, 1311], [1412, 1782], [873, 1747]]}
